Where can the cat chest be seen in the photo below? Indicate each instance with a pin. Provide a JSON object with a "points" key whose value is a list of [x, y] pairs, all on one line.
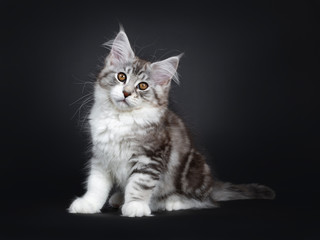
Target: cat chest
{"points": [[114, 143], [113, 135]]}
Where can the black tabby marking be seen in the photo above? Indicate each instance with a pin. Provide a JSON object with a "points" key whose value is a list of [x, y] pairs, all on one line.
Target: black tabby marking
{"points": [[153, 175]]}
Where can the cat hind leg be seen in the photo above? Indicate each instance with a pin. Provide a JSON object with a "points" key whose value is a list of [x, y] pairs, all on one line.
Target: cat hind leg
{"points": [[177, 202], [116, 200]]}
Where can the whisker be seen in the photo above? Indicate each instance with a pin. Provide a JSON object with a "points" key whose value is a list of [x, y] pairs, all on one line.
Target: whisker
{"points": [[86, 101], [84, 82], [81, 98]]}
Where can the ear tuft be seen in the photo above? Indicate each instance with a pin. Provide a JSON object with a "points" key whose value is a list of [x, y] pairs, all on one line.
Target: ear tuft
{"points": [[163, 71], [120, 49]]}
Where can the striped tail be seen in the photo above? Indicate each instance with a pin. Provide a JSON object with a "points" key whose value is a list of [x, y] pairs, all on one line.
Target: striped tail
{"points": [[224, 191]]}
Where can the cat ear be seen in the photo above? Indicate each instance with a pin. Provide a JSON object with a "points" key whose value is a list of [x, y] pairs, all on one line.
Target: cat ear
{"points": [[121, 51], [163, 71]]}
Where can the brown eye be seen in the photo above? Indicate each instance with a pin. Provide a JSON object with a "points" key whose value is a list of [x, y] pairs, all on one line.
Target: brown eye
{"points": [[143, 86], [122, 76]]}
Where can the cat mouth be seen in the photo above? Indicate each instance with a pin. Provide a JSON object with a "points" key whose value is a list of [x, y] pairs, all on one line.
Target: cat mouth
{"points": [[123, 101]]}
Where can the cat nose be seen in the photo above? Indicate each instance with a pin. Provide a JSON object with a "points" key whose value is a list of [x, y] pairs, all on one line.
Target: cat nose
{"points": [[126, 94]]}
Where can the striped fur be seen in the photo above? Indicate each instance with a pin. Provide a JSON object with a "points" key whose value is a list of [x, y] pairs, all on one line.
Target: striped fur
{"points": [[143, 148]]}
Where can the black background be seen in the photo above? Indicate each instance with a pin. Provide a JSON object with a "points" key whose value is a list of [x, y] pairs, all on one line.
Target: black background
{"points": [[249, 92]]}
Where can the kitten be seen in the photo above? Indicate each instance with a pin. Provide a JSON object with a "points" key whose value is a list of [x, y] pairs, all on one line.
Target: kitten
{"points": [[143, 148]]}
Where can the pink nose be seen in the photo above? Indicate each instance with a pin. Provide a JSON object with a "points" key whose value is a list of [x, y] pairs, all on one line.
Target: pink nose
{"points": [[126, 94]]}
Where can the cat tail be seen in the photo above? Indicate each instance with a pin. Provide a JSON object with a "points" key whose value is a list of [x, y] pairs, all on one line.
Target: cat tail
{"points": [[225, 191]]}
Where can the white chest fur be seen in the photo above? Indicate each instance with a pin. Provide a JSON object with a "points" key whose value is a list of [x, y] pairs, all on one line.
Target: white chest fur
{"points": [[114, 137]]}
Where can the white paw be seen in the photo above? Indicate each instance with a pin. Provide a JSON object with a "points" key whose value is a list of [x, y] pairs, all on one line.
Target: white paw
{"points": [[116, 200], [136, 209], [82, 205], [172, 205]]}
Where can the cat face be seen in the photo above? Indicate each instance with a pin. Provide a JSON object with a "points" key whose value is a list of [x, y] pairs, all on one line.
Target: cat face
{"points": [[129, 86], [129, 83]]}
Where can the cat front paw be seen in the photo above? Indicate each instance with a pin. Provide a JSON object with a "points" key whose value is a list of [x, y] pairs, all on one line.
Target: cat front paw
{"points": [[82, 205], [136, 209]]}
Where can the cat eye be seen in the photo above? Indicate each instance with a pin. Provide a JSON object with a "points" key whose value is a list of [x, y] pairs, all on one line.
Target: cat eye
{"points": [[143, 85], [122, 76]]}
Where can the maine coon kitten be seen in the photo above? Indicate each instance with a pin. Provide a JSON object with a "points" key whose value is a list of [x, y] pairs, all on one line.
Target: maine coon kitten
{"points": [[142, 147]]}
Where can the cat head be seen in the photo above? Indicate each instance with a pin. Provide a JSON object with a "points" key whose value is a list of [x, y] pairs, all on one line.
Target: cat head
{"points": [[128, 83]]}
